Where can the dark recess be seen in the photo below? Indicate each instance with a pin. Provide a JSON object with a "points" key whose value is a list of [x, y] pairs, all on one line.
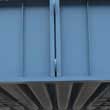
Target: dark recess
{"points": [[29, 93]]}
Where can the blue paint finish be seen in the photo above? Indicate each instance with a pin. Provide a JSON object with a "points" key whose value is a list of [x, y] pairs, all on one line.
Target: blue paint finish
{"points": [[52, 42], [74, 41], [88, 39], [22, 41], [83, 33], [52, 79], [26, 33], [9, 42], [27, 43], [37, 52], [99, 24], [58, 39]]}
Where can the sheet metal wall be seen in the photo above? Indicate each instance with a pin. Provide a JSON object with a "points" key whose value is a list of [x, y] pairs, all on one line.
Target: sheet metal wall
{"points": [[56, 40], [82, 29]]}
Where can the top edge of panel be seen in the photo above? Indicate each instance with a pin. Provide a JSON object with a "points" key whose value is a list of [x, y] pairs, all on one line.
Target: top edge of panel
{"points": [[16, 3], [85, 2]]}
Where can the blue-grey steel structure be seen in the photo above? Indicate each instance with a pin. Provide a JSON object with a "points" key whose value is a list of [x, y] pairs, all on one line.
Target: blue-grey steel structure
{"points": [[54, 40]]}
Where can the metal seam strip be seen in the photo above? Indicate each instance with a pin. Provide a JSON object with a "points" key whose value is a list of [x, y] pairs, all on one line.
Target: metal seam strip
{"points": [[52, 48], [58, 38], [22, 39], [88, 39]]}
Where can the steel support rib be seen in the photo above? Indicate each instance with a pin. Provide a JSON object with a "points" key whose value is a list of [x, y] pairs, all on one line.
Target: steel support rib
{"points": [[41, 93], [85, 93], [63, 91], [101, 96], [16, 92]]}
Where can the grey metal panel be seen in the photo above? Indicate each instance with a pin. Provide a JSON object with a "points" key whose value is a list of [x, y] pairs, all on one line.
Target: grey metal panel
{"points": [[85, 93], [19, 94], [63, 91], [41, 93]]}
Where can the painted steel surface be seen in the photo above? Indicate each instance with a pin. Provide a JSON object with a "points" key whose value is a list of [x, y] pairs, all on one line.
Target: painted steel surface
{"points": [[54, 40]]}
